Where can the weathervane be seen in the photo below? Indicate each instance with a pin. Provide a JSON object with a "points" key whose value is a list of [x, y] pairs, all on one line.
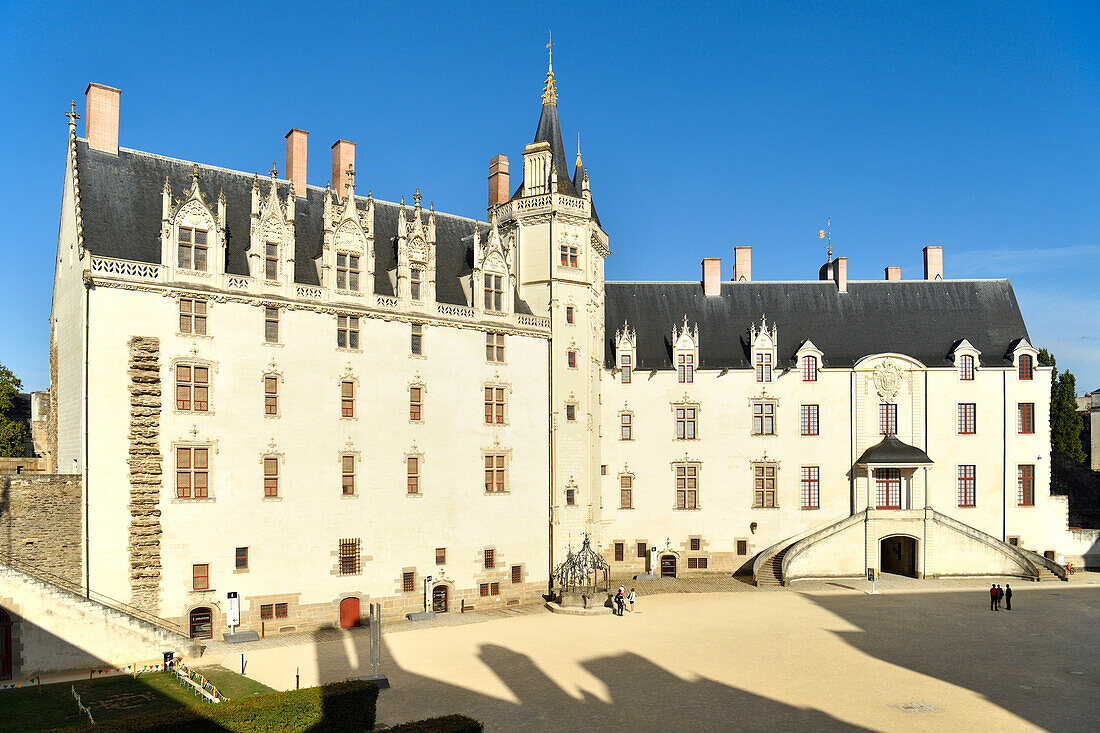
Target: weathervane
{"points": [[549, 90], [827, 235]]}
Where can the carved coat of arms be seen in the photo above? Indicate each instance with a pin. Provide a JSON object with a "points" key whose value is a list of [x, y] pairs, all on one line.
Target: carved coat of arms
{"points": [[887, 380]]}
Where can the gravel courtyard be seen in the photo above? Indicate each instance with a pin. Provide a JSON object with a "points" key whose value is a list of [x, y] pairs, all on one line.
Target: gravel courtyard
{"points": [[928, 656]]}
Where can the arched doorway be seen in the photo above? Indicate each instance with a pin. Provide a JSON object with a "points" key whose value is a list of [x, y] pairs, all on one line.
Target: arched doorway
{"points": [[5, 645], [898, 555], [201, 623], [668, 566], [349, 613], [439, 599]]}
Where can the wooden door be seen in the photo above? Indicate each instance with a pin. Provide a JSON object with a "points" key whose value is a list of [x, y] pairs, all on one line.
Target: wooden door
{"points": [[349, 613], [201, 626], [439, 599], [668, 566], [5, 645]]}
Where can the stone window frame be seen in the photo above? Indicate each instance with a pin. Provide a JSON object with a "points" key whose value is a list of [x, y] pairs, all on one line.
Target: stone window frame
{"points": [[505, 403], [237, 567], [349, 549], [193, 300], [411, 476], [348, 377], [1025, 418], [809, 420], [418, 336], [418, 404], [571, 411], [267, 259], [809, 488], [209, 246], [211, 449], [570, 315], [887, 417], [966, 416], [279, 459], [686, 463], [515, 573], [496, 346], [496, 452], [763, 402], [626, 426], [195, 575], [1025, 484], [494, 291], [352, 327], [348, 271], [626, 475], [193, 361], [268, 320], [694, 421], [277, 394], [762, 504], [966, 485], [441, 556], [355, 458]]}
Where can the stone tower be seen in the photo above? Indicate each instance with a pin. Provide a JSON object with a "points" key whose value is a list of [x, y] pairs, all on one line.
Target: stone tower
{"points": [[560, 249]]}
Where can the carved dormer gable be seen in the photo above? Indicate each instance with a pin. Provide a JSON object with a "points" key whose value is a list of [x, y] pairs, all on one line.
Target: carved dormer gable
{"points": [[416, 253], [271, 244], [685, 350], [192, 231], [493, 272], [964, 351], [626, 352], [347, 253], [762, 350]]}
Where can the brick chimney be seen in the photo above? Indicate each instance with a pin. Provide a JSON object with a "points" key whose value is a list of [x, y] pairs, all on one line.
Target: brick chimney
{"points": [[343, 155], [296, 159], [933, 263], [498, 180], [893, 273], [101, 117], [840, 274], [712, 276], [742, 264]]}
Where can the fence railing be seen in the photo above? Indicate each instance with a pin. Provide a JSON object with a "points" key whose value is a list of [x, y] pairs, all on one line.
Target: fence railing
{"points": [[79, 590]]}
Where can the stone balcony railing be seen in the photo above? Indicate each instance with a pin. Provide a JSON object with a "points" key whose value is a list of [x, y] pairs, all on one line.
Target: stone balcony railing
{"points": [[545, 202], [124, 270]]}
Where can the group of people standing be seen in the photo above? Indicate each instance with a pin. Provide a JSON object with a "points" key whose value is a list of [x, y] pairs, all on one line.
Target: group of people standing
{"points": [[998, 594], [621, 599]]}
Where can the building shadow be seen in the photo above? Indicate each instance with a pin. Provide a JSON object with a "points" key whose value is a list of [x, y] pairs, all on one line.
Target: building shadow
{"points": [[1037, 661]]}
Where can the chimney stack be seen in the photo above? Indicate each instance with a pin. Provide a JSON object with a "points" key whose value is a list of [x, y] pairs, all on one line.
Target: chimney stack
{"points": [[712, 276], [840, 274], [742, 264], [101, 117], [893, 273], [933, 263], [343, 155], [296, 160], [498, 180]]}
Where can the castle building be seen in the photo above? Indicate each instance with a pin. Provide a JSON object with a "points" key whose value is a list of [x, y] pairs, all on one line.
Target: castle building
{"points": [[316, 399]]}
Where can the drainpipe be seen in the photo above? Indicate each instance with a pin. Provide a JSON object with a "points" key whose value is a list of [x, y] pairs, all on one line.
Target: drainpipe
{"points": [[550, 399], [1004, 455], [87, 504]]}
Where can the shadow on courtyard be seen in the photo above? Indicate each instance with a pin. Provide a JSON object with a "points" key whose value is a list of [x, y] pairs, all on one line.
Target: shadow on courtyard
{"points": [[1037, 661], [643, 696]]}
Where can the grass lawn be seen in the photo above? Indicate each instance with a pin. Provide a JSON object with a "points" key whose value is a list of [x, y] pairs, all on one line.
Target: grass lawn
{"points": [[112, 697]]}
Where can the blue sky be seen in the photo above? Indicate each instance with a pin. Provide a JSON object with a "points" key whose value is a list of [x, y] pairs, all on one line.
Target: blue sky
{"points": [[703, 127]]}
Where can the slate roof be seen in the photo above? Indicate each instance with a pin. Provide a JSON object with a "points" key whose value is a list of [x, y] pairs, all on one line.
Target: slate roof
{"points": [[890, 450], [918, 318], [120, 200]]}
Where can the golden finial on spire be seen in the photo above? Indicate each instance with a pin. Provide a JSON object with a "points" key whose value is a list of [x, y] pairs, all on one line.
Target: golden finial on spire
{"points": [[827, 235], [274, 171], [194, 174], [416, 198], [549, 90]]}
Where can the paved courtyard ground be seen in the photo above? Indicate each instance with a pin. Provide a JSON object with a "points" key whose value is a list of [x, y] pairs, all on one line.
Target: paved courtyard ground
{"points": [[821, 655]]}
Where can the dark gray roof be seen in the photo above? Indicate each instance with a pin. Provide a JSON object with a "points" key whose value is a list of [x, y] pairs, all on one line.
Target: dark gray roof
{"points": [[890, 450], [120, 199], [919, 318]]}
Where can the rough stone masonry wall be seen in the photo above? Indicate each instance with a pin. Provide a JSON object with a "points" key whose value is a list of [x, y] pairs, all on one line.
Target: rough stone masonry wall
{"points": [[40, 523], [145, 473]]}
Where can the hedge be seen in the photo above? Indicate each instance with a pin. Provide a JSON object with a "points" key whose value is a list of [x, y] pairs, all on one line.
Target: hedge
{"points": [[445, 724], [340, 707]]}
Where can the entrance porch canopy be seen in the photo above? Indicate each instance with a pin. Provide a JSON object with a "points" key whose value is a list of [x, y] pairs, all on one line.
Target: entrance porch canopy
{"points": [[893, 453]]}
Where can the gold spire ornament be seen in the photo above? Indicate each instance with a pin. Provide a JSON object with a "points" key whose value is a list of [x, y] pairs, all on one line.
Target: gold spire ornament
{"points": [[549, 90], [827, 234]]}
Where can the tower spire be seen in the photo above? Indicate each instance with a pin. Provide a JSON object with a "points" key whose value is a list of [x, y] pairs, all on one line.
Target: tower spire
{"points": [[549, 90]]}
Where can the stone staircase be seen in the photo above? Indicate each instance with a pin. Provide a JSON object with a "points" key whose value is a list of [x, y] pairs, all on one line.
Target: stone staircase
{"points": [[59, 629], [1045, 575], [771, 571]]}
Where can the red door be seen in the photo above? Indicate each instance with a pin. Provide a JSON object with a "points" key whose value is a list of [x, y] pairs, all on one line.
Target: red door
{"points": [[349, 613], [5, 645]]}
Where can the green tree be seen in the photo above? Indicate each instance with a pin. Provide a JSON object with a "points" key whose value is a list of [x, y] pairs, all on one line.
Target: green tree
{"points": [[12, 434], [1065, 423]]}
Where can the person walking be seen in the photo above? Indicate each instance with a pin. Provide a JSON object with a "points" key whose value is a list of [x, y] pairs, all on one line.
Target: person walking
{"points": [[993, 598], [631, 599], [1008, 597]]}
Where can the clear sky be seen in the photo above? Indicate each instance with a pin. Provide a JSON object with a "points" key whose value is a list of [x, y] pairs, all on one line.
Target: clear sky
{"points": [[703, 127]]}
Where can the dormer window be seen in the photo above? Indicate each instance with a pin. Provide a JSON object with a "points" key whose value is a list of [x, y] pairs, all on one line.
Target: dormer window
{"points": [[192, 249], [1026, 366], [685, 368], [966, 368], [271, 261], [347, 271], [809, 368], [494, 293], [626, 367], [416, 276], [763, 367]]}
